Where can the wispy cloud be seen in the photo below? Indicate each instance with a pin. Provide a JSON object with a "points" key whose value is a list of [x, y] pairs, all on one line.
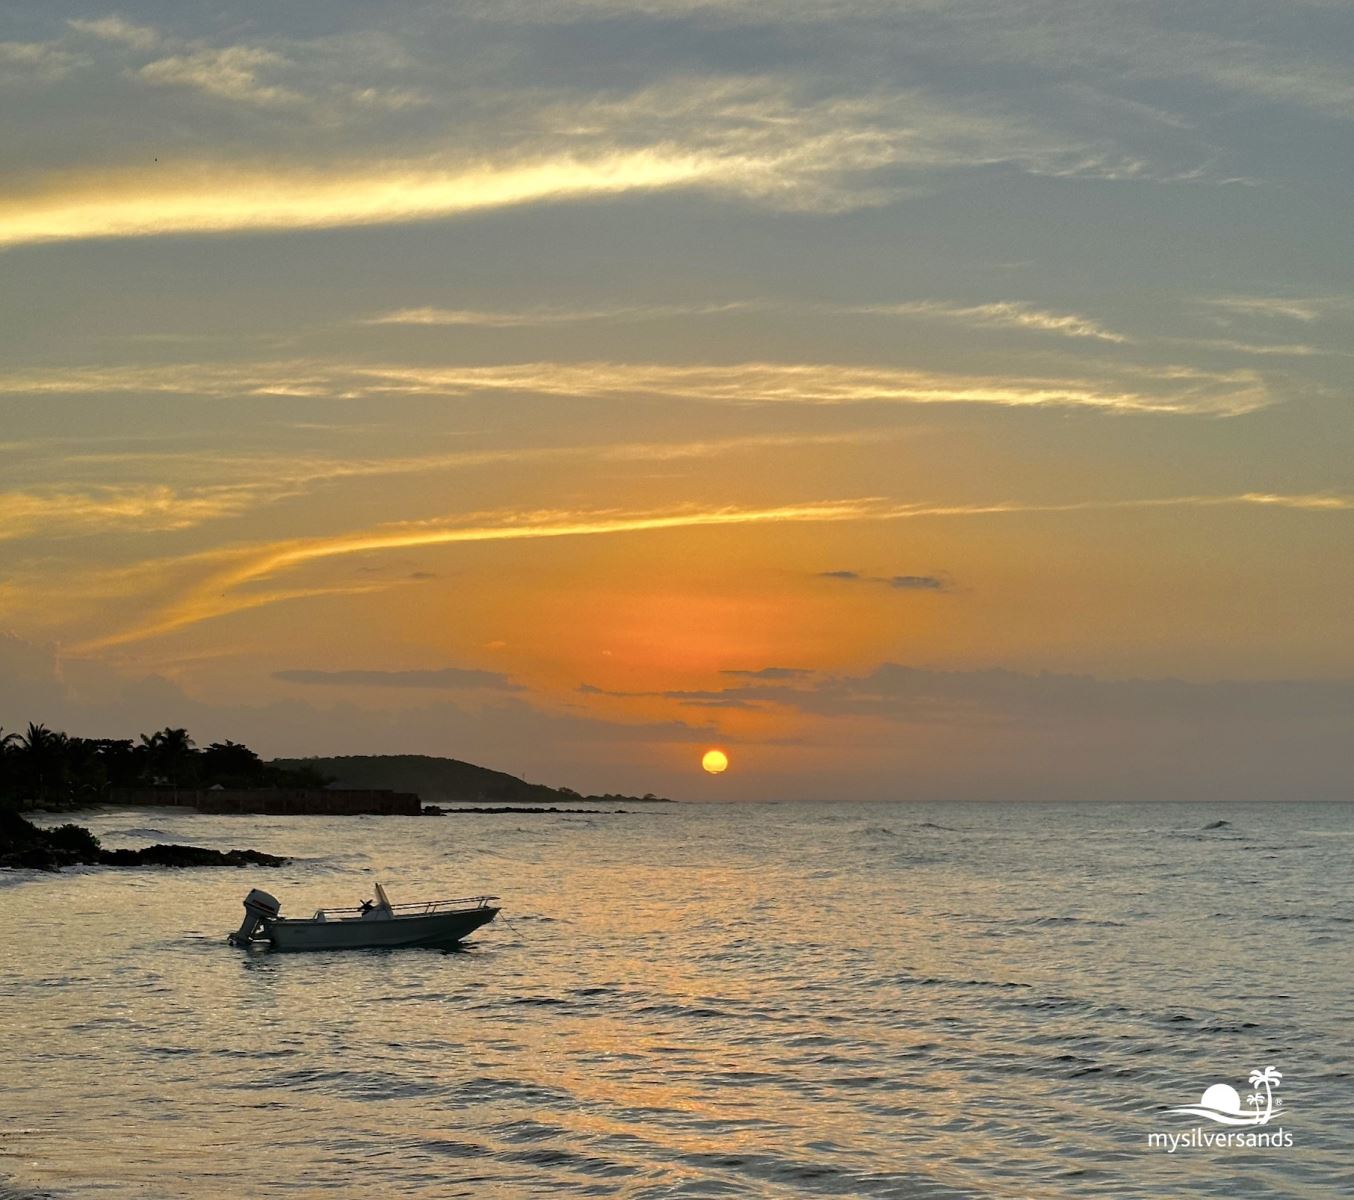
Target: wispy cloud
{"points": [[1258, 71], [36, 61], [228, 571], [1164, 390], [290, 471], [223, 576], [1292, 308], [225, 485], [764, 139], [1260, 349], [231, 73], [67, 511], [752, 138], [217, 198], [1115, 41], [324, 87], [1168, 390], [119, 31], [1008, 314], [1316, 501], [537, 317]]}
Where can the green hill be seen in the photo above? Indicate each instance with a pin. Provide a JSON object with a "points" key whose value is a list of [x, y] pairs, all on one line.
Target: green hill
{"points": [[439, 780]]}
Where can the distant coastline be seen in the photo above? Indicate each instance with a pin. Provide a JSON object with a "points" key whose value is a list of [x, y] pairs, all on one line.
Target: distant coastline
{"points": [[43, 768], [47, 770], [442, 781]]}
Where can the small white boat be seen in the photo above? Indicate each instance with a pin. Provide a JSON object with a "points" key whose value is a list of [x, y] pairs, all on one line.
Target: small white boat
{"points": [[370, 925]]}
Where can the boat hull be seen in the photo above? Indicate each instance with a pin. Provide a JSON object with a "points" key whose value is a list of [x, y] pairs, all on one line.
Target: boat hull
{"points": [[431, 929]]}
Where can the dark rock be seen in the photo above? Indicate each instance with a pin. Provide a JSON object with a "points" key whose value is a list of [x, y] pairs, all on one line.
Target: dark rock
{"points": [[432, 810], [162, 855], [25, 845], [34, 858]]}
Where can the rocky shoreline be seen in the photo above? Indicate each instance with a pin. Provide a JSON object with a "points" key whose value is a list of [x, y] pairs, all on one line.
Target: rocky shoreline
{"points": [[433, 810], [26, 846]]}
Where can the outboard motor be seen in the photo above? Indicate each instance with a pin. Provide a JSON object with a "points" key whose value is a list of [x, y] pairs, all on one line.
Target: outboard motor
{"points": [[259, 907]]}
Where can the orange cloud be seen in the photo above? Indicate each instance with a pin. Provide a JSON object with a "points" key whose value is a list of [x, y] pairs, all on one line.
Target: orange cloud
{"points": [[219, 593]]}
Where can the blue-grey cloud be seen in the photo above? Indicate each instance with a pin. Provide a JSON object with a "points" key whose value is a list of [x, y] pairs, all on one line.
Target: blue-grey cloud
{"points": [[508, 732], [899, 692], [698, 699], [771, 673], [998, 733], [916, 583], [899, 583], [444, 677]]}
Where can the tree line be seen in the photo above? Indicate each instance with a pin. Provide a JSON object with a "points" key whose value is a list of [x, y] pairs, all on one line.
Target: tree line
{"points": [[44, 766]]}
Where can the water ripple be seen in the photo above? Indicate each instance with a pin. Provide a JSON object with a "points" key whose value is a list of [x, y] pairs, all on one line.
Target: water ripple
{"points": [[999, 1001]]}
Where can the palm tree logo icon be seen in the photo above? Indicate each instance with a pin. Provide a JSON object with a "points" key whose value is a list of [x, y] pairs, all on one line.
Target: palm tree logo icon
{"points": [[1222, 1103], [1268, 1079]]}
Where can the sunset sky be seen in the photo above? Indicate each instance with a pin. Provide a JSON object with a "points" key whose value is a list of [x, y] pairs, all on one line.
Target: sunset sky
{"points": [[934, 398]]}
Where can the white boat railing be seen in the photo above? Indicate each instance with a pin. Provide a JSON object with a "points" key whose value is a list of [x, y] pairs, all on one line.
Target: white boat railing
{"points": [[415, 908]]}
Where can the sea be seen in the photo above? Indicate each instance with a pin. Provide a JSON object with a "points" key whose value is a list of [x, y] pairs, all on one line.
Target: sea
{"points": [[769, 1000]]}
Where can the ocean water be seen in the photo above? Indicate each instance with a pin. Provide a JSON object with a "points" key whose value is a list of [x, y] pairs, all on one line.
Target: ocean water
{"points": [[695, 1001]]}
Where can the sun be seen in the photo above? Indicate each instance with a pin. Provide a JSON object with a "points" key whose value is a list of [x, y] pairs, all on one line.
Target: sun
{"points": [[715, 761]]}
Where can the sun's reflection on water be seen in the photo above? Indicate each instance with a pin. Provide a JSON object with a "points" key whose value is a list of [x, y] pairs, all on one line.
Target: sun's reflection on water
{"points": [[706, 1001]]}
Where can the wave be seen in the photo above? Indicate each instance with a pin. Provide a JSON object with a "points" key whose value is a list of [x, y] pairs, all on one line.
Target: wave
{"points": [[1051, 921]]}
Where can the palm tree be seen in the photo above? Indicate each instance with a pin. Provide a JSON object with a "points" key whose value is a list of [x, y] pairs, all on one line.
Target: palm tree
{"points": [[1255, 1099], [40, 749], [171, 749], [6, 774], [1269, 1076], [230, 763]]}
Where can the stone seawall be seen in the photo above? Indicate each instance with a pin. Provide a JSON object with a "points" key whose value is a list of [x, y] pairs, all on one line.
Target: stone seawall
{"points": [[342, 802]]}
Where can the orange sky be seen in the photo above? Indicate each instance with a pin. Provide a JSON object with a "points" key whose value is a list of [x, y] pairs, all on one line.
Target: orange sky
{"points": [[912, 405]]}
